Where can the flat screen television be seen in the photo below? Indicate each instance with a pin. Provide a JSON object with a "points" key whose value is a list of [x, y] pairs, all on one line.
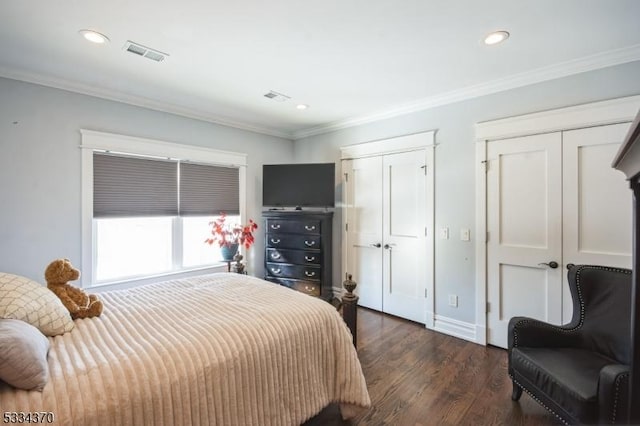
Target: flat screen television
{"points": [[298, 185]]}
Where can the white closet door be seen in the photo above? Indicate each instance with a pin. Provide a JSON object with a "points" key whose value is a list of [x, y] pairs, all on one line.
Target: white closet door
{"points": [[404, 235], [524, 214], [597, 202], [593, 221], [364, 237]]}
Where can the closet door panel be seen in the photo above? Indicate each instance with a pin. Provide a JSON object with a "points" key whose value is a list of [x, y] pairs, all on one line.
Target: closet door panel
{"points": [[524, 209], [364, 236], [404, 235], [597, 202]]}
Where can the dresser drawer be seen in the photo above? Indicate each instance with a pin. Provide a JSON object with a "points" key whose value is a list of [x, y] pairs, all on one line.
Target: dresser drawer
{"points": [[307, 227], [282, 270], [299, 257], [292, 241], [307, 287], [297, 250]]}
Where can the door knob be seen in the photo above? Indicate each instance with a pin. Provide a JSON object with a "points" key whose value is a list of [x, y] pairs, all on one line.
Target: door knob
{"points": [[389, 246], [376, 245], [552, 264], [570, 265]]}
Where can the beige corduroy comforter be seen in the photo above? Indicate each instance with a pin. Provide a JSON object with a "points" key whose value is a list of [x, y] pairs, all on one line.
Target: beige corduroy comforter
{"points": [[221, 349]]}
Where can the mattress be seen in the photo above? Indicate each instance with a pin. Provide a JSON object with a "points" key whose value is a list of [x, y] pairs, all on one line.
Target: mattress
{"points": [[223, 349]]}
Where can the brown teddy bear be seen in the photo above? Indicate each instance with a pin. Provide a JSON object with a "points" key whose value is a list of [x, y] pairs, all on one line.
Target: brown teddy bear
{"points": [[79, 303]]}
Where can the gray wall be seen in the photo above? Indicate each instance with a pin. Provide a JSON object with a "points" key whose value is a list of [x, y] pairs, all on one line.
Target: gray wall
{"points": [[40, 164], [40, 167], [455, 162]]}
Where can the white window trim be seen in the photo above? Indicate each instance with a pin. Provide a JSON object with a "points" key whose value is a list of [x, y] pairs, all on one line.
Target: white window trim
{"points": [[93, 140]]}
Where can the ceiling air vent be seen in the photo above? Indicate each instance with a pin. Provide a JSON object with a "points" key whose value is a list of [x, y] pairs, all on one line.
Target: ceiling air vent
{"points": [[278, 97], [146, 52]]}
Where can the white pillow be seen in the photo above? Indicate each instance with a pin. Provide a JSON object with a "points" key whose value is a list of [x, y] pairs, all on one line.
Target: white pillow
{"points": [[26, 300], [23, 355]]}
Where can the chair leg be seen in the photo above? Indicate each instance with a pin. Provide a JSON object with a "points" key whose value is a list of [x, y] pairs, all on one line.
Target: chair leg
{"points": [[517, 392]]}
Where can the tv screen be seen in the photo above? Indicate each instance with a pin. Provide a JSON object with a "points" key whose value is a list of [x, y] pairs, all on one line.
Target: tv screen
{"points": [[298, 185]]}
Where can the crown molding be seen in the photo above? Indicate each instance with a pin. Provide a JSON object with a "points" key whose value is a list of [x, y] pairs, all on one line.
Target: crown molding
{"points": [[140, 101], [562, 69]]}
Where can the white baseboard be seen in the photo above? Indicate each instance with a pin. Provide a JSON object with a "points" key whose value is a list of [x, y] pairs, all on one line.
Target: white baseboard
{"points": [[452, 327], [456, 328]]}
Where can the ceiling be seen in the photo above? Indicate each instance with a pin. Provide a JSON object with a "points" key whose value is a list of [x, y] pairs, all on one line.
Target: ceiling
{"points": [[351, 61]]}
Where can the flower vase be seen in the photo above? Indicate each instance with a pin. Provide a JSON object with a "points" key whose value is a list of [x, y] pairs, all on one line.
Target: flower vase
{"points": [[228, 251]]}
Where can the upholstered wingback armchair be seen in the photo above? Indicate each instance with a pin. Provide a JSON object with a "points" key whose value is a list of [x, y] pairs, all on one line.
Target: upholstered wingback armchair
{"points": [[579, 371]]}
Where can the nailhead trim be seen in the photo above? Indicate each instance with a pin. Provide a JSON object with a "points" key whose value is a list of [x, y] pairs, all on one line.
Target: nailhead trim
{"points": [[617, 394], [539, 402], [572, 330], [581, 303], [615, 404]]}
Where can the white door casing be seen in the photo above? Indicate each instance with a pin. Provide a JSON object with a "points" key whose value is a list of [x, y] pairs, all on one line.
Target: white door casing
{"points": [[593, 222], [602, 113], [407, 268], [524, 210]]}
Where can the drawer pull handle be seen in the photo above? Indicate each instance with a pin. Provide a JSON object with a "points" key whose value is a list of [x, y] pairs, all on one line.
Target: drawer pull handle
{"points": [[310, 274], [309, 258], [275, 226], [310, 227], [275, 255], [309, 243], [275, 240], [276, 270]]}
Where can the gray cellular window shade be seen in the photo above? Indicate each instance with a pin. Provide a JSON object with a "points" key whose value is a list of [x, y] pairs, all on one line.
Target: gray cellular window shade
{"points": [[208, 190], [131, 186]]}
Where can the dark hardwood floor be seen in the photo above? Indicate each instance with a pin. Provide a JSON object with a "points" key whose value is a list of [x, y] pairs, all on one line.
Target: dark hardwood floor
{"points": [[417, 377]]}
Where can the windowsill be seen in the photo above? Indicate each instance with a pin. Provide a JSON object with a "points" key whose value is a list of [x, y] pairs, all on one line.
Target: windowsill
{"points": [[150, 279]]}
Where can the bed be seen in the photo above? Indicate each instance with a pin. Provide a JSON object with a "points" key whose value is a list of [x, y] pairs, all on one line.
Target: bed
{"points": [[223, 349]]}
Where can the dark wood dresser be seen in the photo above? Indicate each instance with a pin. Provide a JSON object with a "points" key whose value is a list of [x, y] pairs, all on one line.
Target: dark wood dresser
{"points": [[298, 250]]}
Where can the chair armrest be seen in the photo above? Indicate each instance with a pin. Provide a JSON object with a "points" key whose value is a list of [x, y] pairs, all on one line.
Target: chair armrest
{"points": [[613, 394], [531, 333]]}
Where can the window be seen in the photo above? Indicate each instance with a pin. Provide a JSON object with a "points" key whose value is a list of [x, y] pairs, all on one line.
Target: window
{"points": [[197, 228], [147, 215], [144, 246], [129, 247]]}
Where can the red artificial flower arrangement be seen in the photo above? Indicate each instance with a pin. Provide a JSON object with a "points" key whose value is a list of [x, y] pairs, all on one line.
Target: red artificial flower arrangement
{"points": [[226, 234]]}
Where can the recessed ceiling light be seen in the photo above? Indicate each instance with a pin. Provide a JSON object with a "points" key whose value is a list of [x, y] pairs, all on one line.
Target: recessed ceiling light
{"points": [[496, 37], [302, 106], [94, 36]]}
